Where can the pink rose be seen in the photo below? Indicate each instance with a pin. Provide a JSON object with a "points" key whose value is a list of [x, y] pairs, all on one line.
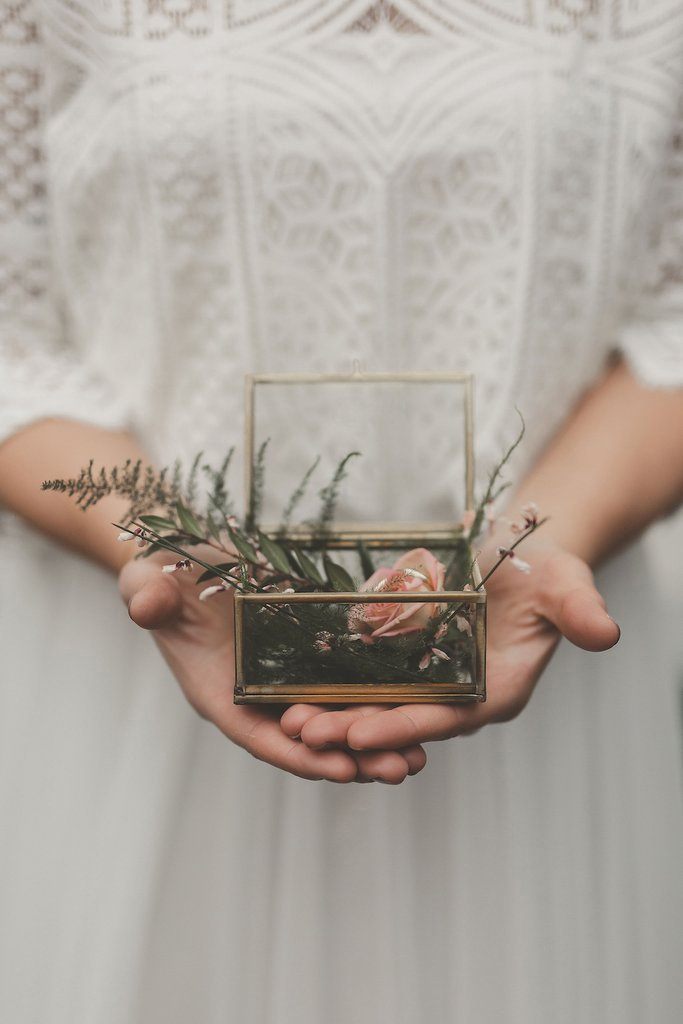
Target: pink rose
{"points": [[416, 572]]}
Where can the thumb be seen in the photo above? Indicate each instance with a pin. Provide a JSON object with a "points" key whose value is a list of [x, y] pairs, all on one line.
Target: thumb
{"points": [[574, 605], [153, 600]]}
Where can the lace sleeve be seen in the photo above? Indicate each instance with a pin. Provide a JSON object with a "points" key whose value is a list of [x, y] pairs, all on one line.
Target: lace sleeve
{"points": [[651, 339], [41, 375]]}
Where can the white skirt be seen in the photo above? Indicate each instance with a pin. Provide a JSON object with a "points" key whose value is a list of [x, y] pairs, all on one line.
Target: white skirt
{"points": [[152, 873]]}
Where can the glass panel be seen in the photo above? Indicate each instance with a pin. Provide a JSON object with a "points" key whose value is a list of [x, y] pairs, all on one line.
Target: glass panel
{"points": [[327, 642], [411, 437]]}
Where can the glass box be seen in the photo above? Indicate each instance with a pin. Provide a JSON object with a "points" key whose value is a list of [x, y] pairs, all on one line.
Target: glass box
{"points": [[402, 501]]}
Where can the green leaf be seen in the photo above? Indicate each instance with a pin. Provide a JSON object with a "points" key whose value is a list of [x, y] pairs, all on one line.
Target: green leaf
{"points": [[277, 577], [309, 568], [338, 576], [243, 545], [366, 562], [217, 570], [274, 553], [158, 523], [188, 521], [172, 538], [213, 528], [294, 563]]}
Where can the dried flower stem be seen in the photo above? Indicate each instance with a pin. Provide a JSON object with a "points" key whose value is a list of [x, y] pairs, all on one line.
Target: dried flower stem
{"points": [[496, 565]]}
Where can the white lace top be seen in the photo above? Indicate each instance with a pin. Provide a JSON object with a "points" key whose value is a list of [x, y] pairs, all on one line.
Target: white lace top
{"points": [[194, 188]]}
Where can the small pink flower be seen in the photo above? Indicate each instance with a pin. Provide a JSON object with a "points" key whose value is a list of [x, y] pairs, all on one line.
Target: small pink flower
{"points": [[530, 514], [463, 624], [138, 535], [218, 588], [468, 518], [518, 563], [416, 572], [432, 654], [183, 565], [323, 641]]}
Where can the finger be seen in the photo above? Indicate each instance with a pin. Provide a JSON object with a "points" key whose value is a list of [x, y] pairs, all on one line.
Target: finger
{"points": [[157, 603], [265, 740], [410, 724], [295, 717], [582, 618], [574, 605], [333, 726], [416, 756], [382, 766]]}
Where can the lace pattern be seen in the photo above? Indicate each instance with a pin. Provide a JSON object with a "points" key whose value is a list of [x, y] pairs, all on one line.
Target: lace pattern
{"points": [[190, 190]]}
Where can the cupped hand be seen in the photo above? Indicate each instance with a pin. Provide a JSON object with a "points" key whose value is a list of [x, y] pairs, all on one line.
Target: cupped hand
{"points": [[196, 639], [527, 616]]}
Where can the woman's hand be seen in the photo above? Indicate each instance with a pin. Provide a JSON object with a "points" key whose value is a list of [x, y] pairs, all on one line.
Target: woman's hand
{"points": [[196, 639], [527, 615]]}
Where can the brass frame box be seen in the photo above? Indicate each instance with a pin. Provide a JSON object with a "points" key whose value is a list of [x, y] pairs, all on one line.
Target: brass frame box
{"points": [[250, 689]]}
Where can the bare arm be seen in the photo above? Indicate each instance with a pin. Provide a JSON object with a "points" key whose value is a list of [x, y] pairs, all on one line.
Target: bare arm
{"points": [[195, 640], [615, 466], [59, 448]]}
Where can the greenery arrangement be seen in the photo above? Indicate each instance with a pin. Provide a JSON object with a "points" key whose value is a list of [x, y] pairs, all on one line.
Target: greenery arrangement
{"points": [[285, 642]]}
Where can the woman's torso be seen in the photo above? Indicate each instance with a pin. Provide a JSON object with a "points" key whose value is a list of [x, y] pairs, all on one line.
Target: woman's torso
{"points": [[455, 185]]}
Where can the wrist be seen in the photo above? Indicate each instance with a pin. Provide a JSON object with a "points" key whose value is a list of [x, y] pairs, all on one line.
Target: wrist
{"points": [[99, 535], [534, 547], [568, 527]]}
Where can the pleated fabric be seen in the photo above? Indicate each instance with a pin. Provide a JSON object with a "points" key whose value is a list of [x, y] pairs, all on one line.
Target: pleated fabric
{"points": [[152, 873]]}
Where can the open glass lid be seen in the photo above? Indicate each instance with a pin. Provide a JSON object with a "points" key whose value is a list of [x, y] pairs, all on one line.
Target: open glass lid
{"points": [[385, 458]]}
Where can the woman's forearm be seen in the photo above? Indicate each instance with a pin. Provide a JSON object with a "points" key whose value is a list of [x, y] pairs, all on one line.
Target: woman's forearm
{"points": [[615, 466], [60, 448]]}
